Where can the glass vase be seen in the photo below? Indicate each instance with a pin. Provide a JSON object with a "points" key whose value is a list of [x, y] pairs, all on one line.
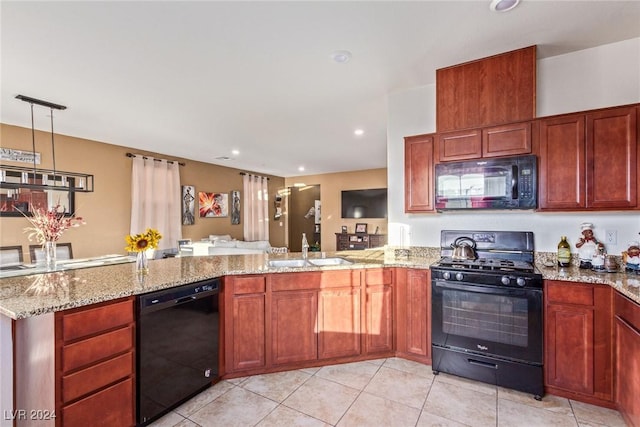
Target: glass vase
{"points": [[49, 249], [142, 262]]}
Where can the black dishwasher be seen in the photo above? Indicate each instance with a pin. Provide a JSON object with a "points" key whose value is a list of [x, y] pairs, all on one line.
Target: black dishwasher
{"points": [[177, 346]]}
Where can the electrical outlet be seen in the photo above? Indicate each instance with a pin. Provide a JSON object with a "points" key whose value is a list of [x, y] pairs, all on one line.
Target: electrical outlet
{"points": [[612, 237]]}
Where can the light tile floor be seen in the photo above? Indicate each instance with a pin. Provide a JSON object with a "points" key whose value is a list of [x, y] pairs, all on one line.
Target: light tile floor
{"points": [[383, 392]]}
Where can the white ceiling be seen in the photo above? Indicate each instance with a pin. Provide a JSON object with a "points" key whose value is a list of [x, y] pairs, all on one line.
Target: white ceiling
{"points": [[198, 79]]}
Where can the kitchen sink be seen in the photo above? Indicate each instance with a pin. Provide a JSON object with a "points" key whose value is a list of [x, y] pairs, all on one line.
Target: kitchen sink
{"points": [[288, 263], [329, 261]]}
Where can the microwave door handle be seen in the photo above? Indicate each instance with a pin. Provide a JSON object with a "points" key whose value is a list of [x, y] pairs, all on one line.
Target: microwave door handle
{"points": [[514, 182]]}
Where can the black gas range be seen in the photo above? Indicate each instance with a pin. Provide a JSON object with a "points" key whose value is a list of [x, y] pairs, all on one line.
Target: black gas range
{"points": [[487, 320]]}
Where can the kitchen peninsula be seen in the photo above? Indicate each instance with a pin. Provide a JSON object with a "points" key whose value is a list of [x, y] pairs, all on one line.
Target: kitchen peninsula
{"points": [[376, 284]]}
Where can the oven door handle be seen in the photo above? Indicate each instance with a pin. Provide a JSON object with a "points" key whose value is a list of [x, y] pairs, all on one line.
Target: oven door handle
{"points": [[482, 289]]}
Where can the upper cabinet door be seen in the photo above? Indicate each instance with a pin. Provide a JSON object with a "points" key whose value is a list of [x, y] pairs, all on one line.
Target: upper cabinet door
{"points": [[612, 158], [561, 175], [494, 90], [507, 140], [460, 145], [418, 173]]}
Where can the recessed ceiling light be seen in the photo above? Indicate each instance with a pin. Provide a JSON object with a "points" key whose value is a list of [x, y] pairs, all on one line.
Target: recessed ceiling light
{"points": [[503, 5], [358, 132], [341, 56], [235, 152], [301, 169]]}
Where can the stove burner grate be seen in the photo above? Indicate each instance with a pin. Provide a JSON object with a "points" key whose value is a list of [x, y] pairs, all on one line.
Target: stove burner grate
{"points": [[486, 264]]}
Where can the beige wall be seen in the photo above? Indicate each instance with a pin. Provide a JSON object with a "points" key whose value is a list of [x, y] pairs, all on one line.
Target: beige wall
{"points": [[107, 210], [330, 187]]}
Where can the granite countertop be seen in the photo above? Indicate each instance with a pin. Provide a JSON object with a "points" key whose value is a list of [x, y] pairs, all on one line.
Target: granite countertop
{"points": [[35, 294], [627, 283]]}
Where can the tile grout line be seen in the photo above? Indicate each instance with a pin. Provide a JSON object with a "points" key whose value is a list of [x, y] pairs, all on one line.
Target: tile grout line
{"points": [[361, 391]]}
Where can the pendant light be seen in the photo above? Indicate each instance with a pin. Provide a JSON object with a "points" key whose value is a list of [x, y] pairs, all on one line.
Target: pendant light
{"points": [[34, 178]]}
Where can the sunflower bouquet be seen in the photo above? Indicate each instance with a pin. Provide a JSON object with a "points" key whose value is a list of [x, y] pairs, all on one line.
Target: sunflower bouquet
{"points": [[144, 241]]}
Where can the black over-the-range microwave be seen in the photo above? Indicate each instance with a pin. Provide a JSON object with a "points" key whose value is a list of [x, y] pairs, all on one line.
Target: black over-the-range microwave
{"points": [[500, 183]]}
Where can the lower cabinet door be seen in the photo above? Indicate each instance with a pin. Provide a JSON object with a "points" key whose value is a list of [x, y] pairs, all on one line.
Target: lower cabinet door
{"points": [[379, 318], [628, 370], [248, 334], [339, 323], [293, 326], [113, 406], [568, 346], [418, 328]]}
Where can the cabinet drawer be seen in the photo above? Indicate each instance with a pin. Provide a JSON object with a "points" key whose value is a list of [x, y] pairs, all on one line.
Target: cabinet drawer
{"points": [[87, 380], [627, 310], [295, 281], [110, 407], [100, 347], [565, 293], [378, 277], [85, 322], [248, 285], [339, 279]]}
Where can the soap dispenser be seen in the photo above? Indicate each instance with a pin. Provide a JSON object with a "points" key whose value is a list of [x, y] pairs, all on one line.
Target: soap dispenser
{"points": [[305, 246]]}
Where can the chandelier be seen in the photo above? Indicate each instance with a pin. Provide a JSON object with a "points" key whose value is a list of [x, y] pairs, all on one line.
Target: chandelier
{"points": [[34, 178]]}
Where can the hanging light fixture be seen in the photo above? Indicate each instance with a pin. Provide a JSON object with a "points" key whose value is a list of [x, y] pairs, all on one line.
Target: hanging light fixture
{"points": [[34, 178]]}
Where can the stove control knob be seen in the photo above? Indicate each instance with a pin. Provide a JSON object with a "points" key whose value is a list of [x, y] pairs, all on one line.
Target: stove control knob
{"points": [[520, 281], [446, 275], [459, 276], [505, 280]]}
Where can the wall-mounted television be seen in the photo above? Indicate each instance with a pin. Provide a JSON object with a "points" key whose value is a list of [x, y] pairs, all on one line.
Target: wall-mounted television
{"points": [[370, 203]]}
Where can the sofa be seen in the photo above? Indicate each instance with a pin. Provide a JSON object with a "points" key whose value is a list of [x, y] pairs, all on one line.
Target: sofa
{"points": [[224, 245]]}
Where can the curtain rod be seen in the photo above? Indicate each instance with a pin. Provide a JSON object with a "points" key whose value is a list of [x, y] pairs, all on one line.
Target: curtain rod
{"points": [[263, 177], [157, 160]]}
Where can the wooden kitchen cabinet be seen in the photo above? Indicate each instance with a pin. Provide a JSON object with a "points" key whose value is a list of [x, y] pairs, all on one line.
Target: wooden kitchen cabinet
{"points": [[339, 314], [496, 141], [294, 317], [627, 326], [294, 326], [413, 314], [418, 174], [562, 163], [95, 364], [589, 161], [245, 322], [460, 145], [578, 341], [612, 158], [494, 90], [378, 312]]}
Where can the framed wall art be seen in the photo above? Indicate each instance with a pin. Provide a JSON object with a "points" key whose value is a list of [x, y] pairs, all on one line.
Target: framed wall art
{"points": [[213, 205], [235, 207], [188, 205]]}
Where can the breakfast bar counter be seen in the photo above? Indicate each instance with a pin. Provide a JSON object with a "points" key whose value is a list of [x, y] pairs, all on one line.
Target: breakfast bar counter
{"points": [[35, 294]]}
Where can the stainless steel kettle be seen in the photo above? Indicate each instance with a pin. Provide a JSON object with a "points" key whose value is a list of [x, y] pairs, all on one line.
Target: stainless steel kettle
{"points": [[464, 248]]}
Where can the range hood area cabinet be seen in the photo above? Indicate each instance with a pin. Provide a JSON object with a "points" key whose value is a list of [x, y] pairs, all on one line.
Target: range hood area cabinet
{"points": [[490, 91], [586, 161], [589, 161], [496, 141]]}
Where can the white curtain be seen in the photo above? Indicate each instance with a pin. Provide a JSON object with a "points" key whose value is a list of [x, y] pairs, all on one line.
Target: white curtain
{"points": [[155, 199], [256, 207]]}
